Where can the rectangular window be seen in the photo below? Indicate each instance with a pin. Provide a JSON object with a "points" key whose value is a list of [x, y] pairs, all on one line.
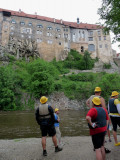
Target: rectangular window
{"points": [[90, 33], [12, 28], [106, 46], [90, 38], [22, 36], [13, 21], [26, 30], [50, 41], [39, 32], [99, 38], [22, 23], [83, 34], [11, 33], [99, 33], [39, 40], [100, 46], [29, 24], [91, 47], [57, 29], [29, 37], [66, 29], [104, 37], [65, 35], [49, 28], [39, 26], [49, 34], [79, 34], [74, 37]]}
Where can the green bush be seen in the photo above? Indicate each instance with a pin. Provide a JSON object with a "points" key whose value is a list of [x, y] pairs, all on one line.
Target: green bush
{"points": [[39, 77], [7, 89], [77, 61], [42, 83], [106, 66]]}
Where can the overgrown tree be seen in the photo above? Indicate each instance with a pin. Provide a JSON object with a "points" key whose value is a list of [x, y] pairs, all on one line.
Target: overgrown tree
{"points": [[110, 13]]}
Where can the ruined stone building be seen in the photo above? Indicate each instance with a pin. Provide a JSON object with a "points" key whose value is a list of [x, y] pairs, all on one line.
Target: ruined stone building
{"points": [[54, 38]]}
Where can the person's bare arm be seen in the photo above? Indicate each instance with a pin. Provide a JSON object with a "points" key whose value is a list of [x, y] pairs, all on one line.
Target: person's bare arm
{"points": [[103, 102], [88, 118], [88, 103]]}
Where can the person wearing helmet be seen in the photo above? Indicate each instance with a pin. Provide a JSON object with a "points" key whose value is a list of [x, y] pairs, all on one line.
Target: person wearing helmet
{"points": [[97, 92], [97, 118], [114, 112], [56, 124], [45, 118], [89, 103]]}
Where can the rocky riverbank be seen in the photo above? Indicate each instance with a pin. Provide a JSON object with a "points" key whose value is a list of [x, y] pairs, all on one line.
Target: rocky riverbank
{"points": [[75, 148], [59, 100]]}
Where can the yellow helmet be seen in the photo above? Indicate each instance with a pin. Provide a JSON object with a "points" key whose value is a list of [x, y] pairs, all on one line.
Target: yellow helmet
{"points": [[96, 101], [56, 109], [97, 89], [114, 93], [43, 99]]}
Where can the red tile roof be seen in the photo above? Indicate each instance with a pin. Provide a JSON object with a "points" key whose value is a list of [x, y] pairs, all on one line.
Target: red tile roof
{"points": [[53, 20]]}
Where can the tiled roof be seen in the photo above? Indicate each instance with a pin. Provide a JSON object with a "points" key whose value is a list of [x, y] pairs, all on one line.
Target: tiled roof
{"points": [[53, 20]]}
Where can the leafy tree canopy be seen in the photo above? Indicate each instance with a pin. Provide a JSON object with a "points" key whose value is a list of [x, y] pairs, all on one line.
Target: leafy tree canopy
{"points": [[110, 12]]}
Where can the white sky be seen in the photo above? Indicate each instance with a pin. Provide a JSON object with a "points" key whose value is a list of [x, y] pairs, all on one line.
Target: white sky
{"points": [[67, 10]]}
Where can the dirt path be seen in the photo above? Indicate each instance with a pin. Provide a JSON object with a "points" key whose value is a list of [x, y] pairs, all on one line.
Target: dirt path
{"points": [[75, 148]]}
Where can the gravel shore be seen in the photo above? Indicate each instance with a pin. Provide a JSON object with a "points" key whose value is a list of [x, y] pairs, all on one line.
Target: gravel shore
{"points": [[75, 148]]}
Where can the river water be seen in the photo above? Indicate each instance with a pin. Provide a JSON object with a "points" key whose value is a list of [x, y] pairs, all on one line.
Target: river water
{"points": [[22, 124]]}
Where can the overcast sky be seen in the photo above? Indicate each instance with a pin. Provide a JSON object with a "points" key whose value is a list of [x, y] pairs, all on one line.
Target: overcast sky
{"points": [[67, 10]]}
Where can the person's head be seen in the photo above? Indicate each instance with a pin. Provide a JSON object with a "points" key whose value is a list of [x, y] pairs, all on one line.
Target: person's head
{"points": [[96, 101], [114, 94], [97, 90], [43, 99], [56, 110]]}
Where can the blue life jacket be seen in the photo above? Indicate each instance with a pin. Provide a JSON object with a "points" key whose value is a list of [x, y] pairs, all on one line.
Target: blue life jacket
{"points": [[56, 124]]}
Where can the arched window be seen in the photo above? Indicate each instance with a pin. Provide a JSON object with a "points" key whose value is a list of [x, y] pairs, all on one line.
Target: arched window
{"points": [[83, 34], [82, 49]]}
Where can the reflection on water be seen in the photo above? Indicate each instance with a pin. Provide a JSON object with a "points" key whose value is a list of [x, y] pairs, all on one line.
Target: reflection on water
{"points": [[22, 124]]}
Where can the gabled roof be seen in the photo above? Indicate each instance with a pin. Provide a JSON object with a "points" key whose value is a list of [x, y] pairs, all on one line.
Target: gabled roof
{"points": [[53, 20]]}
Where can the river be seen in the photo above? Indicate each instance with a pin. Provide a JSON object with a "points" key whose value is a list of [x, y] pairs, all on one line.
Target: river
{"points": [[22, 124]]}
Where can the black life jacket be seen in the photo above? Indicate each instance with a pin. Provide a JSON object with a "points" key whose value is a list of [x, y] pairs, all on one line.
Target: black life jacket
{"points": [[112, 106]]}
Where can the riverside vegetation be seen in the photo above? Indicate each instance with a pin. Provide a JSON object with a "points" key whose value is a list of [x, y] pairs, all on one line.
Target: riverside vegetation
{"points": [[38, 77]]}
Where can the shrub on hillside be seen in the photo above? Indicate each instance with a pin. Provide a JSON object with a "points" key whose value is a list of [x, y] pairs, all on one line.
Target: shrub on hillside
{"points": [[7, 89]]}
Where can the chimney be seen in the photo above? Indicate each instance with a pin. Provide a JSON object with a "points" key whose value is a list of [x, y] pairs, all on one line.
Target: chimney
{"points": [[54, 20], [35, 13], [20, 10], [78, 21]]}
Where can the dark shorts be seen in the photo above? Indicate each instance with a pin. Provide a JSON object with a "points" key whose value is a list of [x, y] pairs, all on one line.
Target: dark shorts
{"points": [[115, 121], [98, 140], [47, 130]]}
